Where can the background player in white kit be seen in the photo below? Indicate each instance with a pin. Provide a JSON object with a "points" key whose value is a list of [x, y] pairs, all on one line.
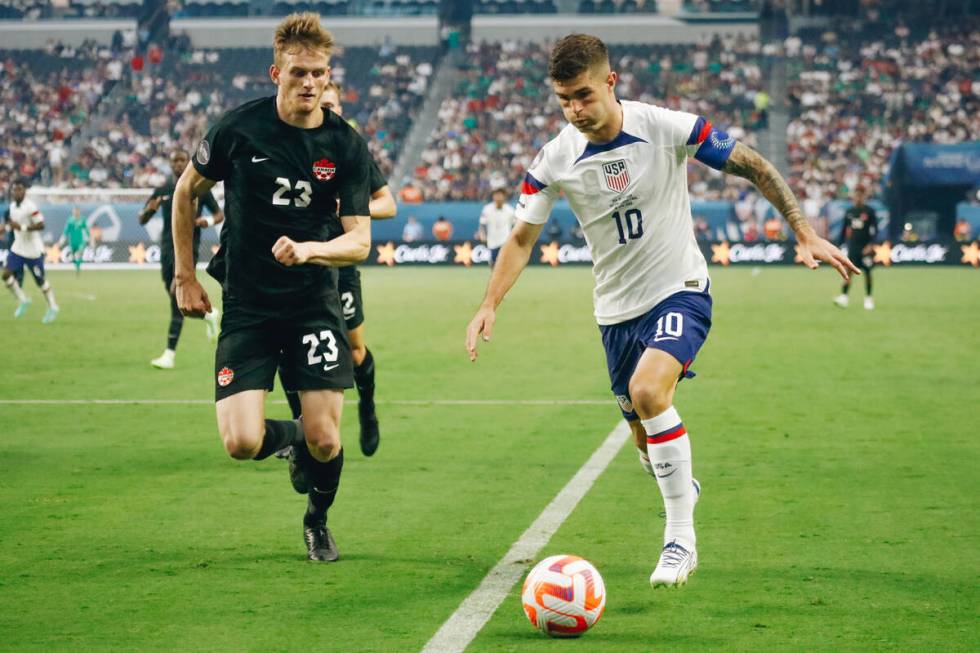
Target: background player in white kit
{"points": [[623, 168], [27, 251], [496, 221]]}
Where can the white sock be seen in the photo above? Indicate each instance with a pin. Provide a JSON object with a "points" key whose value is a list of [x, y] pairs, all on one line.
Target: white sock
{"points": [[16, 289], [49, 295], [212, 314], [669, 449]]}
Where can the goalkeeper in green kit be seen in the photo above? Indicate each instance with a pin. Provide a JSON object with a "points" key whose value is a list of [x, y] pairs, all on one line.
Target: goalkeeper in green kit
{"points": [[77, 236]]}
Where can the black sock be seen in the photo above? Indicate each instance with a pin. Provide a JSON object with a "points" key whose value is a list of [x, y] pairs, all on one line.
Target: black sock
{"points": [[294, 404], [364, 379], [867, 282], [326, 480], [280, 433], [176, 324], [845, 288]]}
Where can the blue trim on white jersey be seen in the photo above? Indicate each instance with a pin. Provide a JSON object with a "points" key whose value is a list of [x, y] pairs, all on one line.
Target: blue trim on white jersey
{"points": [[623, 139]]}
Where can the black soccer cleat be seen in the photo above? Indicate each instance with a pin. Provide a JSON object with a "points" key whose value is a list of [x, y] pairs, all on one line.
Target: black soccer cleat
{"points": [[320, 545], [370, 433], [299, 470]]}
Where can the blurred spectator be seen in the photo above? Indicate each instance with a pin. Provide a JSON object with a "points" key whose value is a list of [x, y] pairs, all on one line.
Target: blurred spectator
{"points": [[442, 229], [409, 194], [909, 235], [412, 231], [701, 229], [963, 230], [773, 228], [553, 231]]}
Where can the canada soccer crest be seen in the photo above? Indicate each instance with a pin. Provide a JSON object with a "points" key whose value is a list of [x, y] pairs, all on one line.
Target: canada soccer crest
{"points": [[225, 376], [324, 169], [617, 175]]}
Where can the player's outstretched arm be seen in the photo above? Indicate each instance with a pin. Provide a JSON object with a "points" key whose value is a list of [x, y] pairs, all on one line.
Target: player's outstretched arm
{"points": [[348, 249], [191, 297], [510, 263], [382, 205], [747, 163]]}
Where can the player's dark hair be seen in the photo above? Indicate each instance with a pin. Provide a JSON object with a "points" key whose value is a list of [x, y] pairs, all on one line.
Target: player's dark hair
{"points": [[301, 30], [574, 54]]}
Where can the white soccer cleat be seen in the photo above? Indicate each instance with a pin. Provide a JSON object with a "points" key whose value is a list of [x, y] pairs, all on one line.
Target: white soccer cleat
{"points": [[841, 300], [676, 564], [212, 322], [869, 304], [165, 361], [22, 308]]}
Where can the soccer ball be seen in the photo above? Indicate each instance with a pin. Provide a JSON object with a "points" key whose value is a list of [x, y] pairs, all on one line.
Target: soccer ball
{"points": [[563, 596]]}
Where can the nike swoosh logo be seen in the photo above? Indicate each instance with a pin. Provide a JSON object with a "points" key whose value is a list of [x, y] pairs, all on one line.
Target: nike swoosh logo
{"points": [[327, 368], [661, 339], [665, 475], [257, 159]]}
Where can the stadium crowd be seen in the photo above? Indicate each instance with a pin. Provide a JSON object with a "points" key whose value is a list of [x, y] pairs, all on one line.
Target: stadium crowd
{"points": [[855, 95], [503, 109]]}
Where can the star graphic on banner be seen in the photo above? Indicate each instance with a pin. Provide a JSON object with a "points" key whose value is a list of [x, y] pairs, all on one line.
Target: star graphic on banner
{"points": [[464, 254], [137, 254], [720, 253], [386, 254], [883, 253], [971, 254], [797, 258], [52, 254], [549, 254]]}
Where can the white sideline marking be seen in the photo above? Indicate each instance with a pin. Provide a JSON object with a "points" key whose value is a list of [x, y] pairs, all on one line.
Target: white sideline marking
{"points": [[389, 402], [474, 612]]}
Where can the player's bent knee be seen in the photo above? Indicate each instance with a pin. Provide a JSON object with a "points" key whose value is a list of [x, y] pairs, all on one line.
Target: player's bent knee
{"points": [[323, 441], [650, 399], [241, 442]]}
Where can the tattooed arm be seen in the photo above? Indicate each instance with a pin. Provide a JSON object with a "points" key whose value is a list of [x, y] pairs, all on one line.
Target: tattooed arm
{"points": [[747, 163]]}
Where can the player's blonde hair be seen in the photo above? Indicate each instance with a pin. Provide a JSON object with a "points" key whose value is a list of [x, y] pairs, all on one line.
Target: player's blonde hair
{"points": [[301, 31]]}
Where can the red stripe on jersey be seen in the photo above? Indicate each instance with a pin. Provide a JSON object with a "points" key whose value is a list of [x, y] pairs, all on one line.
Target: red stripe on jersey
{"points": [[704, 132]]}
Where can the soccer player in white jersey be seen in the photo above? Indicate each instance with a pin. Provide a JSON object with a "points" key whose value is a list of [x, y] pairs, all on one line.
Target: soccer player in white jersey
{"points": [[623, 168], [27, 251], [496, 221]]}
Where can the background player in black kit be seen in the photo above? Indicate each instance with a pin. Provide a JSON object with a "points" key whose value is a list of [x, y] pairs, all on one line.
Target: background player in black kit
{"points": [[285, 163], [162, 198], [382, 206], [859, 231]]}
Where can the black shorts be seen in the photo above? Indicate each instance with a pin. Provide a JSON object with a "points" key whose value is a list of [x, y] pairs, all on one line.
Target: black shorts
{"points": [[310, 343], [864, 262], [349, 287]]}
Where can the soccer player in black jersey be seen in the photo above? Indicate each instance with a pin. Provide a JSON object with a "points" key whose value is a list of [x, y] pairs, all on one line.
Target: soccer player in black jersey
{"points": [[162, 198], [285, 164], [859, 230], [382, 206]]}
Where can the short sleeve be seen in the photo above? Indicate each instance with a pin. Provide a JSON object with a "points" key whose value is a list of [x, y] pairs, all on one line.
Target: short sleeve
{"points": [[207, 201], [354, 191], [378, 180], [539, 191], [215, 152]]}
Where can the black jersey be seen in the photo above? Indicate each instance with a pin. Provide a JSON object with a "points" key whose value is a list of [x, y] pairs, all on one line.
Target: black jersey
{"points": [[280, 180], [860, 227], [377, 182], [166, 191]]}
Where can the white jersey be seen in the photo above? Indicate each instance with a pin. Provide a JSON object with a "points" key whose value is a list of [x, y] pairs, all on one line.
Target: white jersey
{"points": [[27, 244], [630, 196], [497, 223]]}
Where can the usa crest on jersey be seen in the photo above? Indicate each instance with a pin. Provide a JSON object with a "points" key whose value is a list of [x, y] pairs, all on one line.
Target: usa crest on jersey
{"points": [[617, 175]]}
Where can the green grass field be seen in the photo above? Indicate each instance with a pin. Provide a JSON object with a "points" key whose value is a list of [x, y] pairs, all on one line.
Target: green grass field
{"points": [[837, 450]]}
